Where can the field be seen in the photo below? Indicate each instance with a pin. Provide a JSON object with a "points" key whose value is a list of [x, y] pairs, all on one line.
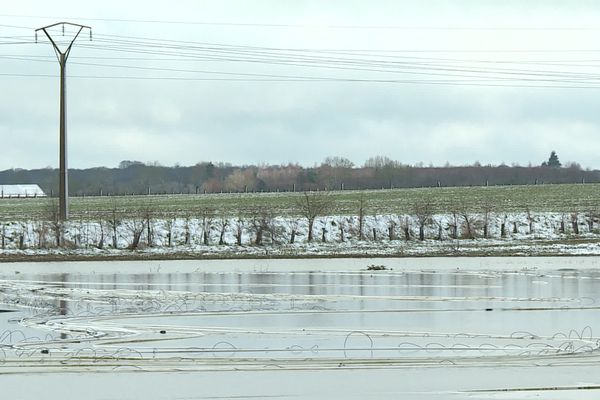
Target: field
{"points": [[554, 198]]}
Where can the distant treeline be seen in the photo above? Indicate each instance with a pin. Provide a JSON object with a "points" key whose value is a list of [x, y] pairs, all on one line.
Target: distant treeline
{"points": [[335, 173]]}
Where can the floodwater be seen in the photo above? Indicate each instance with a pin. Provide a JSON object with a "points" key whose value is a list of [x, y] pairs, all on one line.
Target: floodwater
{"points": [[435, 328]]}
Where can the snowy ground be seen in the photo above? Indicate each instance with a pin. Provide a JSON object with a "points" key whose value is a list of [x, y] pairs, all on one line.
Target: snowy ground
{"points": [[383, 235]]}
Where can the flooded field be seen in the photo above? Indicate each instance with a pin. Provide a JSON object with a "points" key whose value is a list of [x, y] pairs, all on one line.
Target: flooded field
{"points": [[452, 328]]}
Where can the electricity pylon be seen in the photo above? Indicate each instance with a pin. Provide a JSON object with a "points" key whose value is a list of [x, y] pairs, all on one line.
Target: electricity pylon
{"points": [[63, 187]]}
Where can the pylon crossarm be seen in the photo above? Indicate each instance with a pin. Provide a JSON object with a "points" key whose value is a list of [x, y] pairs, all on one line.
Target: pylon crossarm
{"points": [[68, 50], [63, 23], [51, 40], [56, 48]]}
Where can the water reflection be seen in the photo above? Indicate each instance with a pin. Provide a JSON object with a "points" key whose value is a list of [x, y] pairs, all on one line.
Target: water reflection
{"points": [[482, 302], [366, 283], [324, 322]]}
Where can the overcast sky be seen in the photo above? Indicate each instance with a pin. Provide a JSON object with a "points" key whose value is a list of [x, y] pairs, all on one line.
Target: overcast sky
{"points": [[296, 81]]}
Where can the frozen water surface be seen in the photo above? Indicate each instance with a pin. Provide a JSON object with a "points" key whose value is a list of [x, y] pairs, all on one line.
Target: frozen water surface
{"points": [[447, 328]]}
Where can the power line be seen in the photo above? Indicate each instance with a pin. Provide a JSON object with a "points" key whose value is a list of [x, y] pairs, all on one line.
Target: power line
{"points": [[353, 64], [349, 61], [320, 26], [420, 68], [391, 51], [16, 26], [354, 80], [186, 42]]}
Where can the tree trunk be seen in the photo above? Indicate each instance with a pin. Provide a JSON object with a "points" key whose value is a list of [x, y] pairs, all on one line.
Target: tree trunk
{"points": [[421, 232], [186, 238], [469, 228], [293, 236], [374, 234], [238, 235], [259, 237], [101, 242], [515, 229], [149, 232], [503, 230], [311, 221], [361, 221], [57, 235], [137, 235], [323, 238], [114, 238]]}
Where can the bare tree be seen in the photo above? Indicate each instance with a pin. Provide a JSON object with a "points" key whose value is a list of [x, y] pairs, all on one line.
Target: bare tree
{"points": [[362, 208], [471, 225], [530, 220], [575, 222], [562, 224], [405, 226], [312, 205], [592, 216], [187, 220], [207, 216], [169, 224], [341, 223], [423, 211], [374, 232], [83, 238], [40, 228], [262, 223], [486, 215], [239, 230], [503, 226], [22, 233], [222, 224], [135, 226], [392, 229], [453, 224], [148, 216], [3, 234], [100, 225], [52, 216], [440, 228], [293, 225], [114, 219]]}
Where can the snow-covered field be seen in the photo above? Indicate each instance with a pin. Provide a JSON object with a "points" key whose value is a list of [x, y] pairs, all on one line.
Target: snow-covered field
{"points": [[541, 233]]}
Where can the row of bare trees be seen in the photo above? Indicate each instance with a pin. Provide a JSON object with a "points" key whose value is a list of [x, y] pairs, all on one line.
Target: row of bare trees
{"points": [[118, 228]]}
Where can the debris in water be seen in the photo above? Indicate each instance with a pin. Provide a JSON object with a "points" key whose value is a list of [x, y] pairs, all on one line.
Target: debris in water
{"points": [[374, 267]]}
